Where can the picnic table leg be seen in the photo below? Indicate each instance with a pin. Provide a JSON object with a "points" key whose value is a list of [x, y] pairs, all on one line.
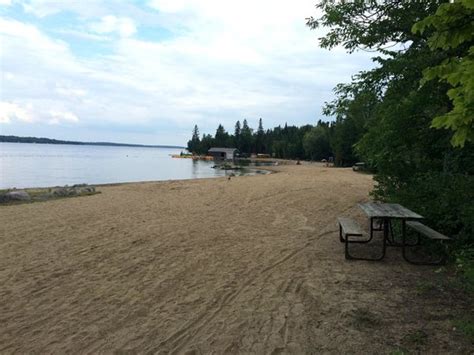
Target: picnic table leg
{"points": [[371, 232], [391, 239], [380, 223]]}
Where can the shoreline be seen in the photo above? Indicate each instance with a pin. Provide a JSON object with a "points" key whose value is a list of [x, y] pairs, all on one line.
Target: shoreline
{"points": [[270, 171]]}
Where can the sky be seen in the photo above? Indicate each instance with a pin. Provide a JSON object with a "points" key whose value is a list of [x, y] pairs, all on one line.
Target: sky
{"points": [[147, 71]]}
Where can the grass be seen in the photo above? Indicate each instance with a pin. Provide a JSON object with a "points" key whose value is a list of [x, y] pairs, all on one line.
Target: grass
{"points": [[399, 351], [363, 318], [417, 338], [465, 268], [424, 287], [466, 326]]}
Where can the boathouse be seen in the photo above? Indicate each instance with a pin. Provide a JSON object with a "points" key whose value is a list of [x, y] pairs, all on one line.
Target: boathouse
{"points": [[223, 153]]}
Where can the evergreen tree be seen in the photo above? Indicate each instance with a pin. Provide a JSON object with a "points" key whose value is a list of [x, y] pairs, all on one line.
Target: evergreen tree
{"points": [[246, 138], [221, 138], [194, 143], [207, 143], [237, 135], [259, 139]]}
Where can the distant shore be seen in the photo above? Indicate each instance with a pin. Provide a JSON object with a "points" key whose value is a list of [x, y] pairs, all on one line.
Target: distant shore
{"points": [[42, 140]]}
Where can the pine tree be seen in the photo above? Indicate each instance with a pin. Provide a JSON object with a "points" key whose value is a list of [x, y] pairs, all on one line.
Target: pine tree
{"points": [[246, 138], [259, 146], [237, 135], [195, 142], [221, 138]]}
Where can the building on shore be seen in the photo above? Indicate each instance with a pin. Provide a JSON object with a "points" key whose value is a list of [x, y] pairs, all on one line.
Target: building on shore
{"points": [[223, 153]]}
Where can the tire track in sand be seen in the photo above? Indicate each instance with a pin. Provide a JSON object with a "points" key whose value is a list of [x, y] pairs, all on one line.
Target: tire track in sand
{"points": [[183, 337]]}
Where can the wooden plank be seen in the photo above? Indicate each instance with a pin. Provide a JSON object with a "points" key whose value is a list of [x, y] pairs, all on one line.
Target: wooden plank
{"points": [[371, 209], [349, 226], [388, 210], [398, 211], [430, 233]]}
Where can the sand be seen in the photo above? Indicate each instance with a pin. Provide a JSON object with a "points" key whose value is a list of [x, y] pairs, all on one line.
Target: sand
{"points": [[250, 265]]}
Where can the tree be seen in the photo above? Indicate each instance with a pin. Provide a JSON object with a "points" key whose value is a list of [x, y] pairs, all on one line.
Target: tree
{"points": [[246, 138], [259, 139], [207, 143], [221, 138], [453, 33], [194, 143], [354, 109], [392, 115], [237, 135], [316, 142]]}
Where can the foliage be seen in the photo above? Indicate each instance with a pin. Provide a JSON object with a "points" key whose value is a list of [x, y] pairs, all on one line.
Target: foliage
{"points": [[464, 259], [386, 118], [221, 138], [466, 326], [316, 142], [281, 142], [194, 143], [453, 25]]}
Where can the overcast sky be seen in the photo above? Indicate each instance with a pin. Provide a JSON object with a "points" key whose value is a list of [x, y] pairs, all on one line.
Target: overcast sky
{"points": [[147, 71]]}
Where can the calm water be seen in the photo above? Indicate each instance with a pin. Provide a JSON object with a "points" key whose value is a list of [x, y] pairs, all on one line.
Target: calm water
{"points": [[42, 165]]}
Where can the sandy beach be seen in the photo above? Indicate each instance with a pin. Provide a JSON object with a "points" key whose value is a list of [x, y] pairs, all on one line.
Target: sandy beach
{"points": [[247, 265]]}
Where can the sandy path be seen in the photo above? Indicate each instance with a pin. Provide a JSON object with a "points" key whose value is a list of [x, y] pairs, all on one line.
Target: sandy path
{"points": [[251, 265]]}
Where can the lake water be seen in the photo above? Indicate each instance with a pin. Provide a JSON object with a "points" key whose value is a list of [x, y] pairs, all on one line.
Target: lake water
{"points": [[42, 165]]}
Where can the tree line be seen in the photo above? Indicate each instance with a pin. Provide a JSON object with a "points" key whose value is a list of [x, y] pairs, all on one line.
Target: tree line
{"points": [[308, 142]]}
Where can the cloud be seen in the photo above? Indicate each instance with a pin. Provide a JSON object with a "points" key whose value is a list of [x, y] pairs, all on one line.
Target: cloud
{"points": [[69, 91], [82, 34], [58, 116], [44, 8], [28, 113], [25, 44], [218, 63], [10, 111], [172, 6], [5, 2], [123, 26]]}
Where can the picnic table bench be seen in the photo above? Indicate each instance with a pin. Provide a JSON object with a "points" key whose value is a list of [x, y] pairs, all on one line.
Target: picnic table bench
{"points": [[349, 228], [426, 231]]}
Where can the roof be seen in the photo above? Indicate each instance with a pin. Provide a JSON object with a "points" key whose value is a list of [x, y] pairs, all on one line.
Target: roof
{"points": [[225, 150]]}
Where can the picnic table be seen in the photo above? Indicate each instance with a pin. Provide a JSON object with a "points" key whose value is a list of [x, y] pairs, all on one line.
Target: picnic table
{"points": [[381, 216], [384, 213]]}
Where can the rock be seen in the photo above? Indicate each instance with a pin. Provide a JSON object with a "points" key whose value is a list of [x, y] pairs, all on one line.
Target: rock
{"points": [[86, 189], [17, 195], [73, 190], [60, 192], [46, 194]]}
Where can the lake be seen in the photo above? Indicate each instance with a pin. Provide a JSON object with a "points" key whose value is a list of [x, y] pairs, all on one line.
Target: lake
{"points": [[43, 165]]}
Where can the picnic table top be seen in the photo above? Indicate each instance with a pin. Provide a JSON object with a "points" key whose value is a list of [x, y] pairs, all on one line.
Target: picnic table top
{"points": [[388, 210]]}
